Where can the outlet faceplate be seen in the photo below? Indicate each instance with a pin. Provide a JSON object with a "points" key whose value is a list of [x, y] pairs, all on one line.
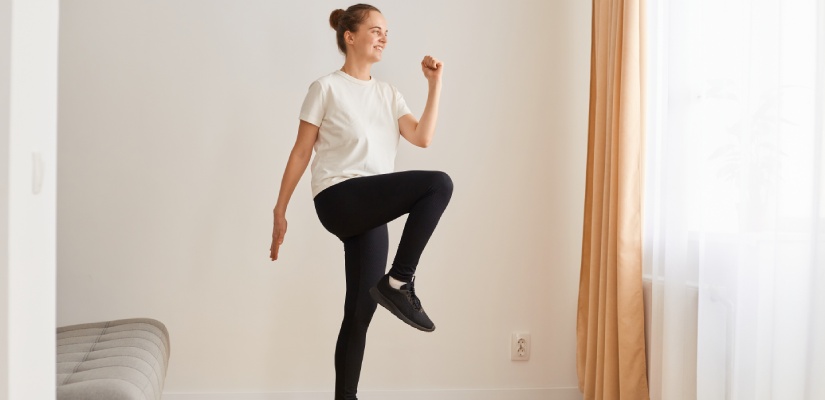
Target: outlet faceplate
{"points": [[520, 344]]}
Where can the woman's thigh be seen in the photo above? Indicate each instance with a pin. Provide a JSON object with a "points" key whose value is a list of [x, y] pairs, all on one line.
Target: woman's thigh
{"points": [[360, 204]]}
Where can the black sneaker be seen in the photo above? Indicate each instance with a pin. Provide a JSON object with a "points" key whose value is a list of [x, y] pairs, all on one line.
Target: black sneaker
{"points": [[403, 303]]}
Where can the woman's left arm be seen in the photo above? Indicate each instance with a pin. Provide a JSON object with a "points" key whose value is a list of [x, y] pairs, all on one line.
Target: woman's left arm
{"points": [[420, 133]]}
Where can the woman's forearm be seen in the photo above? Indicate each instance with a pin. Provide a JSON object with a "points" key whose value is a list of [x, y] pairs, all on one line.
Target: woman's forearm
{"points": [[295, 168], [425, 130]]}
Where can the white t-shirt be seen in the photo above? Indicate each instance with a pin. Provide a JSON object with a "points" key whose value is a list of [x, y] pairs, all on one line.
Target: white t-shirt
{"points": [[358, 127]]}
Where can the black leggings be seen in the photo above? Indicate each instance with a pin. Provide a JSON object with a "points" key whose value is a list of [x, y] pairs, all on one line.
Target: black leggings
{"points": [[357, 212]]}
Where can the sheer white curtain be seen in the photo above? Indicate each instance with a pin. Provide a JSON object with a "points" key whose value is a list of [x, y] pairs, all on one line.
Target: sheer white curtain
{"points": [[735, 199]]}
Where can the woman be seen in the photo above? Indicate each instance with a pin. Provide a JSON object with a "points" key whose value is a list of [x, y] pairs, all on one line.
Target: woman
{"points": [[353, 123]]}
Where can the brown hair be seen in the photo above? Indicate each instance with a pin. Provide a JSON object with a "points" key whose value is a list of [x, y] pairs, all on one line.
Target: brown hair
{"points": [[348, 20]]}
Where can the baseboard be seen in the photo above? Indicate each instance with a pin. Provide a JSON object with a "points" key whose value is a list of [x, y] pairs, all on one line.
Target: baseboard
{"points": [[492, 394]]}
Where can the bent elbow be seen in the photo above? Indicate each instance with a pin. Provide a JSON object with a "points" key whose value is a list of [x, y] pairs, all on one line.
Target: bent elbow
{"points": [[425, 140]]}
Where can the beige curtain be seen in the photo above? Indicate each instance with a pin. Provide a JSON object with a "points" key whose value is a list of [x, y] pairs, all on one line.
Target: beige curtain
{"points": [[610, 326]]}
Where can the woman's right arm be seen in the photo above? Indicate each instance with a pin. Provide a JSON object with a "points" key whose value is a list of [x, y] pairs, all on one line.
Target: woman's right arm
{"points": [[295, 167]]}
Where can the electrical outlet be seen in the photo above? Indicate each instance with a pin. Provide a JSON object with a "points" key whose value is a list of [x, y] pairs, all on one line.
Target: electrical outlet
{"points": [[520, 346]]}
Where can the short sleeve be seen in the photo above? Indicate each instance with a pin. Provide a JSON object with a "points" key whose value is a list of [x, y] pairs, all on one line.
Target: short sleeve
{"points": [[401, 108], [312, 110]]}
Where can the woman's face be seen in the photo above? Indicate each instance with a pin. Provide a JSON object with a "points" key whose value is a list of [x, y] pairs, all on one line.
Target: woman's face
{"points": [[370, 40]]}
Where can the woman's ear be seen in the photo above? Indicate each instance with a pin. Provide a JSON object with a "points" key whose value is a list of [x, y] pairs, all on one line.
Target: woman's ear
{"points": [[349, 37]]}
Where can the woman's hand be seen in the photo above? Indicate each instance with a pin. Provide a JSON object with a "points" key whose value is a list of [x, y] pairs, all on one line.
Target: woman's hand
{"points": [[432, 68], [278, 232]]}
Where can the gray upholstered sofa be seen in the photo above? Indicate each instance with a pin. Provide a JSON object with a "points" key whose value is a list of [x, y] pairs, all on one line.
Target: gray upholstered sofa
{"points": [[113, 360]]}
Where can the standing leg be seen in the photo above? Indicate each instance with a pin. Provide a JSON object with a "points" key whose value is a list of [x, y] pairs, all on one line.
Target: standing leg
{"points": [[357, 211], [366, 259]]}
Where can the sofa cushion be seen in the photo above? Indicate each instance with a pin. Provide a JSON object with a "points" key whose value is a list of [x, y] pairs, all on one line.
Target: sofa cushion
{"points": [[124, 359]]}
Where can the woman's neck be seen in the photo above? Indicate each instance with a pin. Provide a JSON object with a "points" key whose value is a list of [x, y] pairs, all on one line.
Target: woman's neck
{"points": [[357, 70]]}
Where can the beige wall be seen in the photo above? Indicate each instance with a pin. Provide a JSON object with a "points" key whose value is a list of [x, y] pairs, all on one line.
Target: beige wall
{"points": [[176, 120]]}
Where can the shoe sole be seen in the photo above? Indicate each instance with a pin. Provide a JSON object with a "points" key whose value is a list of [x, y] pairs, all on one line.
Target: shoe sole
{"points": [[386, 303]]}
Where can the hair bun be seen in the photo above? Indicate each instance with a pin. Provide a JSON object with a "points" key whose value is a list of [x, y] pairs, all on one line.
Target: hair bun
{"points": [[335, 17]]}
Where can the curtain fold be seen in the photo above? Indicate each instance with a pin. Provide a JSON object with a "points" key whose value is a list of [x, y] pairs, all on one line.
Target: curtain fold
{"points": [[610, 325]]}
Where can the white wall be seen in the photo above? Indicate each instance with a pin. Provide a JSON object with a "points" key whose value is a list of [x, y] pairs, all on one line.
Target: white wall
{"points": [[28, 143], [5, 135], [176, 120]]}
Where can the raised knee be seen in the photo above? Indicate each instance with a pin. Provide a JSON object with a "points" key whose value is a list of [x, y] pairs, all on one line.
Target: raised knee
{"points": [[442, 182]]}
